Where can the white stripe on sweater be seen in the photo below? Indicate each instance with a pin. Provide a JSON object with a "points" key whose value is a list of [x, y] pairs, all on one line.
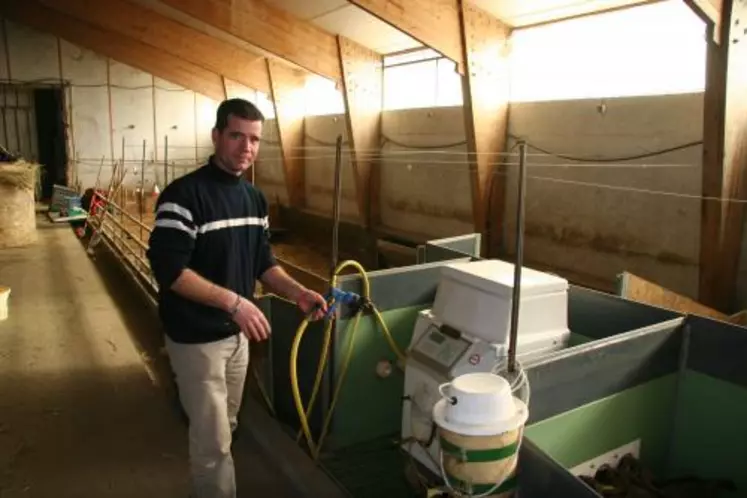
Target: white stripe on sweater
{"points": [[166, 223], [233, 222], [172, 207]]}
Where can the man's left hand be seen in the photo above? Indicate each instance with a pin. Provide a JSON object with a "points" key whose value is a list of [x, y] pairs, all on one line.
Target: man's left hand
{"points": [[312, 303]]}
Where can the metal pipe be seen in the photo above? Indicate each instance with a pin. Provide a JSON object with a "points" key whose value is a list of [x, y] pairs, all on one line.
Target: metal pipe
{"points": [[520, 211], [141, 203], [31, 154], [123, 231], [5, 121], [18, 128], [98, 175], [165, 161], [129, 249], [123, 189], [336, 204], [128, 215]]}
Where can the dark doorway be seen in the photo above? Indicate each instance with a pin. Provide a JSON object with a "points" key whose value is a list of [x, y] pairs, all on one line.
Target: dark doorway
{"points": [[51, 140]]}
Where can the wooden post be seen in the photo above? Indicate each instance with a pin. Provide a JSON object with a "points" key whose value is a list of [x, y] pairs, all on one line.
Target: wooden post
{"points": [[363, 92], [486, 92], [724, 159], [287, 87]]}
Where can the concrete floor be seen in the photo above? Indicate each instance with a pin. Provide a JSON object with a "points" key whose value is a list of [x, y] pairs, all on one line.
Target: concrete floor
{"points": [[85, 402]]}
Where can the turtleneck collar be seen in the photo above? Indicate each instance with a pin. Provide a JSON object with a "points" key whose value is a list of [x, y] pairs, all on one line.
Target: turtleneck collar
{"points": [[219, 174]]}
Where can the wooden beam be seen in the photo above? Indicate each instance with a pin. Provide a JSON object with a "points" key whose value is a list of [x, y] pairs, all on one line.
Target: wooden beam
{"points": [[486, 92], [434, 23], [477, 42], [710, 12], [724, 160], [363, 91], [271, 29], [596, 10], [287, 90], [115, 46], [172, 37]]}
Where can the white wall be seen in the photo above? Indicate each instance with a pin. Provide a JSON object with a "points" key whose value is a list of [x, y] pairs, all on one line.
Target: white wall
{"points": [[597, 231], [589, 233], [424, 192], [108, 102], [425, 186]]}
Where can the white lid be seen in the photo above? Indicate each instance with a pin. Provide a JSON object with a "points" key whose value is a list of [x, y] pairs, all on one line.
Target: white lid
{"points": [[497, 277], [479, 404]]}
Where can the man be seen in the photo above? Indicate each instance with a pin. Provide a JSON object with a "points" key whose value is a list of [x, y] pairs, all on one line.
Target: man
{"points": [[208, 247]]}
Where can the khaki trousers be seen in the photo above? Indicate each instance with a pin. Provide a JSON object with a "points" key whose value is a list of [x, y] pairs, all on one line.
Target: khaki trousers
{"points": [[210, 378]]}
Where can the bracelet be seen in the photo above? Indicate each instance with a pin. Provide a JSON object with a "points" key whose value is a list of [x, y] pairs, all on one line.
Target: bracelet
{"points": [[235, 306]]}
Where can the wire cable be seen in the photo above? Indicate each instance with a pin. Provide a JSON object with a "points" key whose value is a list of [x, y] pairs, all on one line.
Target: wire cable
{"points": [[645, 155]]}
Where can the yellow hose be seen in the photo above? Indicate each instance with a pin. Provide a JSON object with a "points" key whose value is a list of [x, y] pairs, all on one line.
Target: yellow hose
{"points": [[303, 414], [319, 368]]}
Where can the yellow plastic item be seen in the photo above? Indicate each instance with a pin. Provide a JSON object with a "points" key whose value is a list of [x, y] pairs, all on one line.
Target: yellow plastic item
{"points": [[303, 413]]}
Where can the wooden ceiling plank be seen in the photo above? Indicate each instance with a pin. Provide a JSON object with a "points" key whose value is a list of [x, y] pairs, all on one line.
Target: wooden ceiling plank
{"points": [[162, 33], [287, 91], [115, 46], [363, 92], [434, 23], [270, 28]]}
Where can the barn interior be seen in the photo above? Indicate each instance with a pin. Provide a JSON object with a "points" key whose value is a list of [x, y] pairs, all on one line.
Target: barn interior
{"points": [[593, 144]]}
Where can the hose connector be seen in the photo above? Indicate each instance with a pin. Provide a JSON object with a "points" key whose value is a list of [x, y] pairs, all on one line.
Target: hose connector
{"points": [[336, 296]]}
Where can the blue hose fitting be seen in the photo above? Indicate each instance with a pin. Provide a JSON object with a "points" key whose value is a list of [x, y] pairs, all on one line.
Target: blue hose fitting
{"points": [[336, 296]]}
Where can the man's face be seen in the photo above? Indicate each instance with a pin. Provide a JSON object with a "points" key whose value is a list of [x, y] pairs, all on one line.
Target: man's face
{"points": [[237, 146]]}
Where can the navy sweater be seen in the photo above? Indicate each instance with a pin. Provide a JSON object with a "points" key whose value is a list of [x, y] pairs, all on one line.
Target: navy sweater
{"points": [[215, 224]]}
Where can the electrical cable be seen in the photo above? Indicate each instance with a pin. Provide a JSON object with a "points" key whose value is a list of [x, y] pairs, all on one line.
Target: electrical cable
{"points": [[324, 143], [67, 84], [385, 139]]}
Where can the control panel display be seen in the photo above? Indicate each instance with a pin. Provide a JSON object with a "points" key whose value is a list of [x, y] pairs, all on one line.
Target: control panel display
{"points": [[441, 348]]}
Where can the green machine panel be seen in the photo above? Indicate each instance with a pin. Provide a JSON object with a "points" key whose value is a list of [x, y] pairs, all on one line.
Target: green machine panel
{"points": [[367, 407]]}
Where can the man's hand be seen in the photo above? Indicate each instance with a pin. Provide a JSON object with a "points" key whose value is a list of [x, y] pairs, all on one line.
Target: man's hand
{"points": [[279, 282], [251, 320], [312, 303]]}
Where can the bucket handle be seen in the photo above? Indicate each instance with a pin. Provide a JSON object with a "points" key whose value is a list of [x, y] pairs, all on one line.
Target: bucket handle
{"points": [[450, 399]]}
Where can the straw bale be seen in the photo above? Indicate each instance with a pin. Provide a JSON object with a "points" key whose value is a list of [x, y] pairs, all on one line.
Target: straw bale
{"points": [[17, 204], [19, 174]]}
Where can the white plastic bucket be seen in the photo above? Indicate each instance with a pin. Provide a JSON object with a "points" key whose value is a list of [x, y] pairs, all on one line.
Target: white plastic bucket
{"points": [[4, 295], [480, 425]]}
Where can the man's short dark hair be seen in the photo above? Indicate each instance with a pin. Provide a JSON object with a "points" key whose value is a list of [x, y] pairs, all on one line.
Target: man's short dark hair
{"points": [[236, 107]]}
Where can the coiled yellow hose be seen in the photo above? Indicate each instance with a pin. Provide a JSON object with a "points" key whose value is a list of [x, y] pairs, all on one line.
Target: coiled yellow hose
{"points": [[304, 413]]}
